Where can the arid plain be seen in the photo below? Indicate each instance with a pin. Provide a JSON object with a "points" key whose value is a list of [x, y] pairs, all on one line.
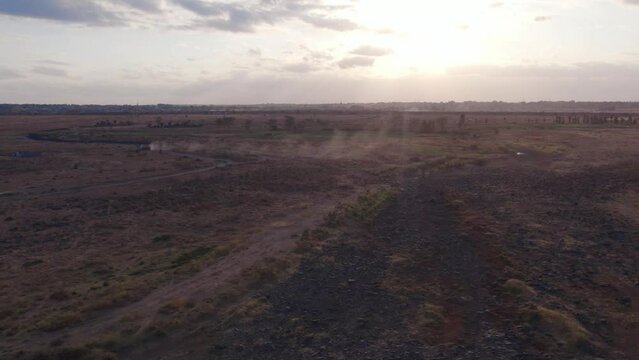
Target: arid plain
{"points": [[319, 235]]}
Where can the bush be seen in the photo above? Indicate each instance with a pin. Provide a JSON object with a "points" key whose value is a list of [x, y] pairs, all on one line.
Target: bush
{"points": [[562, 329], [519, 288]]}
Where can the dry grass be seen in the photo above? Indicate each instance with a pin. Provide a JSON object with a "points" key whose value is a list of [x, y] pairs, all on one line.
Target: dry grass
{"points": [[363, 210], [267, 272], [430, 316], [75, 353], [175, 306], [58, 321], [519, 288], [251, 308], [555, 328]]}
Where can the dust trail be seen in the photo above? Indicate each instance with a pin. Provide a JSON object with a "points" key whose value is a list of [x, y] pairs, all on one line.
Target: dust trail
{"points": [[385, 139]]}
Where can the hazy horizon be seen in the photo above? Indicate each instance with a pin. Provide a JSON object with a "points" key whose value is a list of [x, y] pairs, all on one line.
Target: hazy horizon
{"points": [[317, 52], [459, 102]]}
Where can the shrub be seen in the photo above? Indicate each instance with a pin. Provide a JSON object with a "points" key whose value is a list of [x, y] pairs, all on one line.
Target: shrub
{"points": [[519, 288]]}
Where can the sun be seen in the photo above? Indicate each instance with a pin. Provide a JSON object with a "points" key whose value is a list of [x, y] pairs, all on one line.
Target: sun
{"points": [[430, 36]]}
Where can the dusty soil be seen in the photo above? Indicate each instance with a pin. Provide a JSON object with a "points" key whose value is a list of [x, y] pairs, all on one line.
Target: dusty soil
{"points": [[505, 239]]}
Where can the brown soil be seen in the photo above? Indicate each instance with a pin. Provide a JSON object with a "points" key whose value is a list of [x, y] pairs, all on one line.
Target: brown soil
{"points": [[199, 248]]}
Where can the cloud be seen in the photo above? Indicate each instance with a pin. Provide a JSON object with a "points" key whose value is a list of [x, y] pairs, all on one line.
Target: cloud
{"points": [[86, 12], [301, 67], [203, 8], [53, 62], [385, 31], [367, 50], [329, 23], [145, 5], [542, 18], [356, 61], [631, 2], [50, 71], [244, 17], [585, 70], [8, 74], [255, 52], [235, 20], [317, 56], [247, 17]]}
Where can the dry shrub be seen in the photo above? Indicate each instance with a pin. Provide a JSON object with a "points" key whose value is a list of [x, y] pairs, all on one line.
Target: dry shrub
{"points": [[430, 316], [58, 321], [519, 288], [557, 328]]}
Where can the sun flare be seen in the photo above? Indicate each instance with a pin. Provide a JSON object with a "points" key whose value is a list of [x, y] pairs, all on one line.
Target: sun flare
{"points": [[428, 37]]}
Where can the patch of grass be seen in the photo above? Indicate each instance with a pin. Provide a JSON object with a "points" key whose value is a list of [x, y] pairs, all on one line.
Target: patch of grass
{"points": [[112, 341], [548, 148], [506, 149], [5, 313], [223, 250], [448, 162], [519, 288], [31, 263], [227, 297], [265, 273], [479, 162], [364, 209], [116, 294], [175, 306], [160, 328], [161, 238], [557, 328], [189, 256], [452, 162], [430, 316], [75, 353], [251, 308], [58, 321], [311, 240]]}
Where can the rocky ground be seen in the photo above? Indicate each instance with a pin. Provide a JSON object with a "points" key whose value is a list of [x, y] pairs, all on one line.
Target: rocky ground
{"points": [[492, 263]]}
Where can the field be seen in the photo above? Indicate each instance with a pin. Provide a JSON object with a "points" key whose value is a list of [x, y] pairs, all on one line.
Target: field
{"points": [[319, 235]]}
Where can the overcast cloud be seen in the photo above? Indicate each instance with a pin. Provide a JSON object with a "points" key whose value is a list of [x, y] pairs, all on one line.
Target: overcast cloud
{"points": [[254, 51], [244, 16]]}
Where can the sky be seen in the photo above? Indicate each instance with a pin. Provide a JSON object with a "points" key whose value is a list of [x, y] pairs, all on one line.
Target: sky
{"points": [[331, 51]]}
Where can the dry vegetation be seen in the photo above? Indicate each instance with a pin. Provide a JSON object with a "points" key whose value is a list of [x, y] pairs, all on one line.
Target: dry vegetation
{"points": [[334, 235]]}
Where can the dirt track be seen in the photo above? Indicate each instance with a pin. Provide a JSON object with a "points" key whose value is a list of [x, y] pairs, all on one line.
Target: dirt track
{"points": [[274, 240], [220, 163]]}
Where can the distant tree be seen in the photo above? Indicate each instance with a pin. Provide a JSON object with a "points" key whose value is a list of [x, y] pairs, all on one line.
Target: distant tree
{"points": [[248, 123], [462, 121], [426, 127], [441, 123], [272, 124], [225, 121], [289, 123]]}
